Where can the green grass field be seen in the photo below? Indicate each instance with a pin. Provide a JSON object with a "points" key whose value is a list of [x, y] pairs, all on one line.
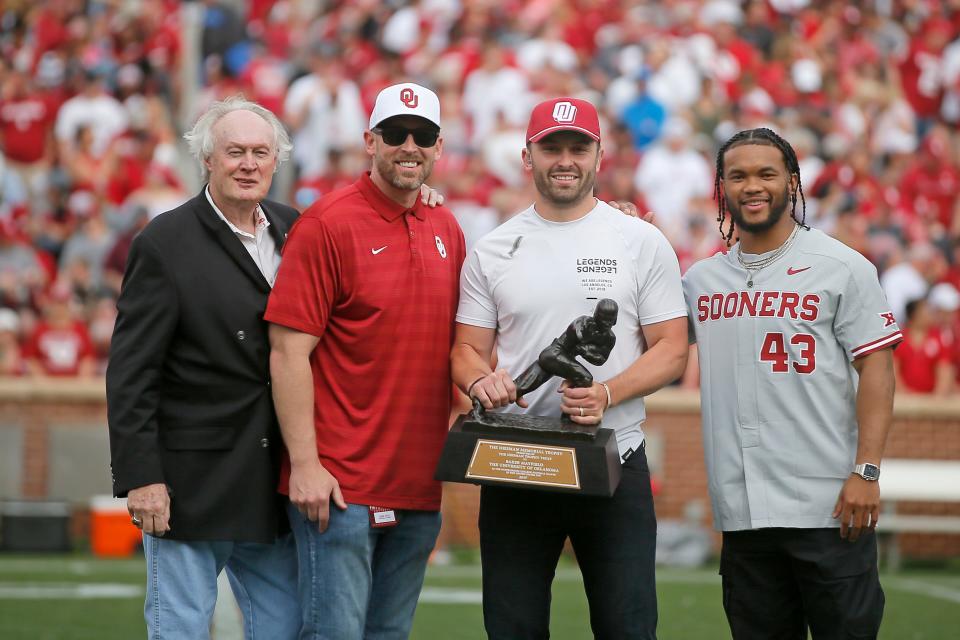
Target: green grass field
{"points": [[79, 598]]}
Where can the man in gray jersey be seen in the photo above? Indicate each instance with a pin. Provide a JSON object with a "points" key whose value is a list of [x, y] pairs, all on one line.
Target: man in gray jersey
{"points": [[520, 287], [794, 338]]}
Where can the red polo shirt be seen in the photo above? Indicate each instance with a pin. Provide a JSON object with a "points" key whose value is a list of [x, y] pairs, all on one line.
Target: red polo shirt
{"points": [[378, 284]]}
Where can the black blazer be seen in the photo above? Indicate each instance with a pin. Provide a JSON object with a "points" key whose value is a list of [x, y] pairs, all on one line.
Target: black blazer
{"points": [[188, 382]]}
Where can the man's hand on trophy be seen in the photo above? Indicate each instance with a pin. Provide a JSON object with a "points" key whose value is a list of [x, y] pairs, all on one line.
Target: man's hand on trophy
{"points": [[496, 389], [584, 405]]}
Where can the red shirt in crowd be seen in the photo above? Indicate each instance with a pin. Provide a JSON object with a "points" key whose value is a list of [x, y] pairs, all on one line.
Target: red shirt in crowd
{"points": [[733, 60], [930, 190], [59, 351], [920, 74], [25, 124], [265, 82], [918, 363], [163, 46], [50, 28], [378, 284]]}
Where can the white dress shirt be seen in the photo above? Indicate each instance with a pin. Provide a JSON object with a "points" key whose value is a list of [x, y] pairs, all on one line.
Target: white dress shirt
{"points": [[259, 245]]}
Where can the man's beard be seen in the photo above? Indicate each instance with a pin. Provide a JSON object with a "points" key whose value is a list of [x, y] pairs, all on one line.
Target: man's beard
{"points": [[550, 193], [388, 170], [777, 208]]}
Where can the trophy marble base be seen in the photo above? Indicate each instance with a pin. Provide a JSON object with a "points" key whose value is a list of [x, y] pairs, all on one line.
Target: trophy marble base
{"points": [[531, 452]]}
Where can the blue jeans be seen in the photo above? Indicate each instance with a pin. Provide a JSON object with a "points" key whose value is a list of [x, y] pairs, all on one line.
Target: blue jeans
{"points": [[522, 533], [357, 581], [182, 587]]}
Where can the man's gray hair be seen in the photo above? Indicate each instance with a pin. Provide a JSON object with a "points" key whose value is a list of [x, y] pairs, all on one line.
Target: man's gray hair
{"points": [[200, 137]]}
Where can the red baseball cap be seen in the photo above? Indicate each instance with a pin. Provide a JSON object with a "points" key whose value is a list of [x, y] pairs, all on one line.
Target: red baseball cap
{"points": [[563, 114]]}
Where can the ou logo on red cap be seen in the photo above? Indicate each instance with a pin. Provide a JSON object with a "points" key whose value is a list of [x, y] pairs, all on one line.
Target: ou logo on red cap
{"points": [[564, 112], [409, 98]]}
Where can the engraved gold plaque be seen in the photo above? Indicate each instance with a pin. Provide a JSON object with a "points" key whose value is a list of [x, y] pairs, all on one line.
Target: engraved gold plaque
{"points": [[522, 463]]}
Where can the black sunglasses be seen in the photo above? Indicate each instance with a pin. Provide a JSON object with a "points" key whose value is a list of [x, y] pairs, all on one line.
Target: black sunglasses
{"points": [[396, 136]]}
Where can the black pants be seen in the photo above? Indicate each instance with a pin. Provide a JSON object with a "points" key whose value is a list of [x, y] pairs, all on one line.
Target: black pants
{"points": [[522, 533], [777, 582]]}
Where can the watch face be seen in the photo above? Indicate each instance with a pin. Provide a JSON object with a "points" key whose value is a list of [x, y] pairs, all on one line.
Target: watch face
{"points": [[870, 472]]}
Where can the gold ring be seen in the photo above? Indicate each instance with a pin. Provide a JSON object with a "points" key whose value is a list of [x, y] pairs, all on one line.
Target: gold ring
{"points": [[581, 411]]}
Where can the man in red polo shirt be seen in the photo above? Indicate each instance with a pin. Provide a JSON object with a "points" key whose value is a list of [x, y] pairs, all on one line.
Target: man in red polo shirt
{"points": [[362, 319]]}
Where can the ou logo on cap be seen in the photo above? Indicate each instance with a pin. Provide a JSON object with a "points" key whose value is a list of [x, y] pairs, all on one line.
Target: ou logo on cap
{"points": [[409, 98], [564, 112]]}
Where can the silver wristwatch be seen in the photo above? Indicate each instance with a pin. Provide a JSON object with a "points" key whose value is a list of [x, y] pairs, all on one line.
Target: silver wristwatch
{"points": [[867, 471]]}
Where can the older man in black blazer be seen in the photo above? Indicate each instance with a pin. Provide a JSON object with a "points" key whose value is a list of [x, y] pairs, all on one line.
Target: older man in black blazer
{"points": [[193, 434]]}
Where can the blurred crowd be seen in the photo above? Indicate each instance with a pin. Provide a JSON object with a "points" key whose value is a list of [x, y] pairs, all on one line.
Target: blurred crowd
{"points": [[94, 96]]}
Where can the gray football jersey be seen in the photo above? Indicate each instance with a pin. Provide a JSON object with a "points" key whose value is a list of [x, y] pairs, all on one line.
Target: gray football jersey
{"points": [[777, 385]]}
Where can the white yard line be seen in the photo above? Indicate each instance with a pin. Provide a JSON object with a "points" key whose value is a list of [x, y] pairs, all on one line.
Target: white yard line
{"points": [[75, 567], [572, 574], [442, 595], [930, 589], [67, 591], [431, 594]]}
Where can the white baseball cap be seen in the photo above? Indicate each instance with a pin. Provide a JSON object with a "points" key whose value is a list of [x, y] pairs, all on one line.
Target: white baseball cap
{"points": [[9, 320], [944, 296], [406, 99]]}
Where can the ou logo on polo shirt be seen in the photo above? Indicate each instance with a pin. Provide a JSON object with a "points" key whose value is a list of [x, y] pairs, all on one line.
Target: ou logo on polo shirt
{"points": [[442, 250]]}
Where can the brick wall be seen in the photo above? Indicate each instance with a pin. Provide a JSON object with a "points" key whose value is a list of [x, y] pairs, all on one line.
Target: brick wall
{"points": [[923, 429], [34, 406]]}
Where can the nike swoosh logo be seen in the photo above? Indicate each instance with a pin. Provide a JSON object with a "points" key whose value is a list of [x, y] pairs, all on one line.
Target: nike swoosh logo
{"points": [[376, 251], [792, 272]]}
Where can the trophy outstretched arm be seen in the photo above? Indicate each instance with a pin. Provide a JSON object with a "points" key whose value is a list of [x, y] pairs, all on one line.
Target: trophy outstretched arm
{"points": [[597, 353], [589, 337]]}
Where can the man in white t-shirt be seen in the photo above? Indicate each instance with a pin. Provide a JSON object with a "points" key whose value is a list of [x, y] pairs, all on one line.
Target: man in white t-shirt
{"points": [[92, 107], [674, 178], [324, 112], [521, 286], [910, 279]]}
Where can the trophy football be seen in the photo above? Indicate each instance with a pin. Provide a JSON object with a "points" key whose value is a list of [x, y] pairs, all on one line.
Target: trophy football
{"points": [[550, 453]]}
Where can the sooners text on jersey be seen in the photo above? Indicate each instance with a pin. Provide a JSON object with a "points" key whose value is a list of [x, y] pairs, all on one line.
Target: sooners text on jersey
{"points": [[759, 304]]}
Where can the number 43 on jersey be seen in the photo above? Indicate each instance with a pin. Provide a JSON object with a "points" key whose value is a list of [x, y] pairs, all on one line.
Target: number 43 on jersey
{"points": [[801, 356]]}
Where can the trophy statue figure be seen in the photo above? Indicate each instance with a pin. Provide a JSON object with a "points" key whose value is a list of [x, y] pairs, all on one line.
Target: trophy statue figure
{"points": [[589, 337], [542, 452]]}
